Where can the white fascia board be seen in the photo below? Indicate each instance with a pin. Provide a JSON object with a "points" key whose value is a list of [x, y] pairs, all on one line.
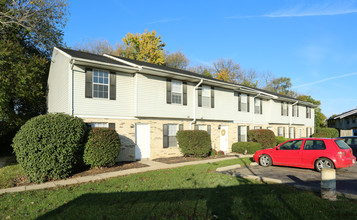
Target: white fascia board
{"points": [[62, 52], [123, 61], [106, 64]]}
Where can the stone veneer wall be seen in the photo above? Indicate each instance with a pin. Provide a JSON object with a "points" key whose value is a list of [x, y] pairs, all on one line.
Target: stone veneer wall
{"points": [[126, 131]]}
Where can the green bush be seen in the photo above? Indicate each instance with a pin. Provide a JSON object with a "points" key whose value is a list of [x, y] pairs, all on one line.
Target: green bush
{"points": [[280, 139], [265, 137], [330, 132], [213, 153], [194, 143], [50, 146], [249, 147], [220, 153], [102, 147], [320, 135]]}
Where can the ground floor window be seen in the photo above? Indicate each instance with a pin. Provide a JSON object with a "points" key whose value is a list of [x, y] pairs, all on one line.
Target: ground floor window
{"points": [[281, 131], [291, 132], [243, 133], [257, 127], [170, 131], [203, 128], [308, 132], [300, 132], [101, 125]]}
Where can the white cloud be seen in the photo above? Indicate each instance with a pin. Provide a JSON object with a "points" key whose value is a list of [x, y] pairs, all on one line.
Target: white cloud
{"points": [[324, 80]]}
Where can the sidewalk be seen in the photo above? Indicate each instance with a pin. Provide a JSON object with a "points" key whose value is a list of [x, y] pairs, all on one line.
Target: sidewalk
{"points": [[152, 165]]}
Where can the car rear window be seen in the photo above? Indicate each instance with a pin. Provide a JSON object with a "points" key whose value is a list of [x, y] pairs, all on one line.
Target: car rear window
{"points": [[341, 144]]}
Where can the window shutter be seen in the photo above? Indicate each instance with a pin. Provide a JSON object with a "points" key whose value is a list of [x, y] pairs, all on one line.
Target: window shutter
{"points": [[261, 106], [212, 97], [287, 109], [196, 127], [297, 110], [248, 133], [165, 136], [112, 126], [292, 110], [184, 93], [89, 83], [180, 127], [200, 96], [248, 103], [113, 86], [168, 91], [239, 102], [283, 132], [209, 129], [239, 134], [306, 112], [282, 108]]}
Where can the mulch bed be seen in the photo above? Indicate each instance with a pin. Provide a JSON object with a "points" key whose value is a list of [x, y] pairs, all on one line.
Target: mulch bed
{"points": [[173, 160]]}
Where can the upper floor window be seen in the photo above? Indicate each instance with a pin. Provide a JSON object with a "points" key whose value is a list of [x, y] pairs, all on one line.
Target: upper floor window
{"points": [[243, 102], [284, 109], [308, 112], [206, 96], [295, 111], [258, 107], [100, 84], [176, 92]]}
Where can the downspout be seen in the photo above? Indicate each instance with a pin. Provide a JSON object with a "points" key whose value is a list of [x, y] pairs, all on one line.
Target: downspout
{"points": [[254, 108], [72, 90], [194, 103]]}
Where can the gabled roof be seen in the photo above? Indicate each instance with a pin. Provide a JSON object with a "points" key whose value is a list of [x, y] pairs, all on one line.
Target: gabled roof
{"points": [[345, 114], [126, 61]]}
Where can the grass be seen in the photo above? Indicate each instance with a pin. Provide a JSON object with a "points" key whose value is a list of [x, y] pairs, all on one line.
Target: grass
{"points": [[191, 192], [10, 173]]}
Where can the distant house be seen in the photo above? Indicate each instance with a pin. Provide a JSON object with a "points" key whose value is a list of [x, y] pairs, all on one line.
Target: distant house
{"points": [[147, 104], [346, 123]]}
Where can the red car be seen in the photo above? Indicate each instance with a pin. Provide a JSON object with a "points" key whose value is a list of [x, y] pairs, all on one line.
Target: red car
{"points": [[309, 153]]}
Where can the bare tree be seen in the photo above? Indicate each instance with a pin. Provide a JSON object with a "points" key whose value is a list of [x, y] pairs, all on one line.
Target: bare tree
{"points": [[96, 46], [177, 60]]}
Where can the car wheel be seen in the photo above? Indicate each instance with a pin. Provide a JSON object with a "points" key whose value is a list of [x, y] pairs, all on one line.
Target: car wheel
{"points": [[265, 160], [323, 163]]}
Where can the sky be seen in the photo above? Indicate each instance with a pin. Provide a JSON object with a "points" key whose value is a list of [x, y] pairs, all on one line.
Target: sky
{"points": [[314, 43]]}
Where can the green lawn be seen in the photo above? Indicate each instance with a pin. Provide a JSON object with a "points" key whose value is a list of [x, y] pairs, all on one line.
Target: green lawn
{"points": [[191, 192], [10, 173]]}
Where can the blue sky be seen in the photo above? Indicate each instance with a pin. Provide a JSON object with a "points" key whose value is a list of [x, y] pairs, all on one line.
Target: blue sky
{"points": [[312, 42]]}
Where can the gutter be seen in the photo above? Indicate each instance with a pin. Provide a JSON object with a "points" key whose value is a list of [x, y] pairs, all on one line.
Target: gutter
{"points": [[194, 103]]}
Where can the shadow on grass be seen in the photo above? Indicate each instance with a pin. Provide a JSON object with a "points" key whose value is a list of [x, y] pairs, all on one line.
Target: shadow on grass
{"points": [[234, 202]]}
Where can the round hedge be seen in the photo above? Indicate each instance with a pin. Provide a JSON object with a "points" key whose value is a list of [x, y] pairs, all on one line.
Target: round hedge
{"points": [[246, 147], [194, 143], [49, 146], [102, 147]]}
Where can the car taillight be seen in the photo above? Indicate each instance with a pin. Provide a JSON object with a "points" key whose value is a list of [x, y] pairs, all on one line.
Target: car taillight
{"points": [[341, 153]]}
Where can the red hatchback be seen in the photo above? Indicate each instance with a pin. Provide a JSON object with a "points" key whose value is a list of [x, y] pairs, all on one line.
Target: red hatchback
{"points": [[310, 153]]}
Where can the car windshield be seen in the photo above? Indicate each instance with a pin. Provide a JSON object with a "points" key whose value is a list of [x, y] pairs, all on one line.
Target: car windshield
{"points": [[341, 144]]}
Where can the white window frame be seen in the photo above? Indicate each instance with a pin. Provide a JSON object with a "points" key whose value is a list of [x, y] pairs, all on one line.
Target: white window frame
{"points": [[244, 102], [285, 109], [295, 111], [98, 71], [206, 96], [176, 92], [243, 135], [257, 106], [170, 135], [291, 132], [281, 131], [99, 125]]}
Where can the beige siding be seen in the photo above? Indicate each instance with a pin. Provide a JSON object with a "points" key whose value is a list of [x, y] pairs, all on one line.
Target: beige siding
{"points": [[58, 99], [123, 106]]}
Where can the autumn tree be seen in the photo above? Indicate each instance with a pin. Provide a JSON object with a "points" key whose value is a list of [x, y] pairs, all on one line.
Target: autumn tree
{"points": [[201, 69], [320, 118], [146, 47], [177, 60], [227, 70]]}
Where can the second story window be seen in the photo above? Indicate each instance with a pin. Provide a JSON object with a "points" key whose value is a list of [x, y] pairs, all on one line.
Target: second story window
{"points": [[206, 96], [284, 109], [258, 107], [100, 84], [243, 102], [308, 112], [295, 111], [176, 92]]}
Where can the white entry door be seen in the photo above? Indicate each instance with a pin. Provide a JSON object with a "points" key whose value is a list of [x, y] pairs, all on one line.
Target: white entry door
{"points": [[223, 132], [142, 141]]}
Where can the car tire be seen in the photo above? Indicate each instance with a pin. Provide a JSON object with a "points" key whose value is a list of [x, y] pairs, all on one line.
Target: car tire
{"points": [[265, 160], [323, 163]]}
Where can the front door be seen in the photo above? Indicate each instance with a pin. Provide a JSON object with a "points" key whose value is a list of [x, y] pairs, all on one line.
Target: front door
{"points": [[223, 131], [142, 141]]}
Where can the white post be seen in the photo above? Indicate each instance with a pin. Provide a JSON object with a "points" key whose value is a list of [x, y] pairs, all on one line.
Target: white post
{"points": [[328, 184]]}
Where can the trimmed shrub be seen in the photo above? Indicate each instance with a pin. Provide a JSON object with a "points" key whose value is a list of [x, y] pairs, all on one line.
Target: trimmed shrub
{"points": [[330, 132], [50, 146], [213, 153], [249, 147], [280, 139], [320, 135], [194, 143], [102, 147], [265, 137]]}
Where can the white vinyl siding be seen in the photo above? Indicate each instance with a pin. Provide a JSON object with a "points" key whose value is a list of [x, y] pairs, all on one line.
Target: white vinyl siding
{"points": [[206, 96], [176, 92]]}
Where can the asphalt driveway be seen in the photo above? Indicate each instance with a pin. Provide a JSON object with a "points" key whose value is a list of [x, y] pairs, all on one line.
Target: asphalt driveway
{"points": [[346, 178]]}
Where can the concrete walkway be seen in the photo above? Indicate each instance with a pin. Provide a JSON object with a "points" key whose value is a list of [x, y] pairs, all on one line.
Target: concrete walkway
{"points": [[152, 165]]}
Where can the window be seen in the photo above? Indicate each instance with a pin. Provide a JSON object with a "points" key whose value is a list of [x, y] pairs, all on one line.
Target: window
{"points": [[300, 132], [295, 111], [258, 108], [257, 127], [284, 109], [176, 92], [354, 119], [203, 128], [281, 131], [243, 103], [291, 132], [206, 96], [99, 125], [169, 134], [308, 112], [308, 132], [242, 133], [314, 145], [100, 84], [291, 145]]}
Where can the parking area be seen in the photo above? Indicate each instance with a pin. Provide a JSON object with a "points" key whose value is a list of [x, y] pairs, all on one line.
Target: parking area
{"points": [[346, 178]]}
